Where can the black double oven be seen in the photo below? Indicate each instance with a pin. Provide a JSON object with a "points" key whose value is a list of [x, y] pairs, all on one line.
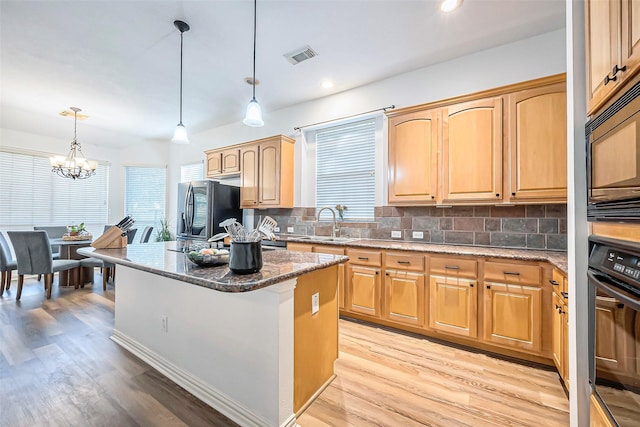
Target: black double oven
{"points": [[613, 167]]}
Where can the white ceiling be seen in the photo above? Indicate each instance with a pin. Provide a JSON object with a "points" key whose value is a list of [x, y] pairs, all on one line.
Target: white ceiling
{"points": [[119, 60]]}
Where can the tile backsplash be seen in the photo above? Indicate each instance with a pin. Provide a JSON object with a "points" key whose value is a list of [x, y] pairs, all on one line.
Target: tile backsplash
{"points": [[531, 226]]}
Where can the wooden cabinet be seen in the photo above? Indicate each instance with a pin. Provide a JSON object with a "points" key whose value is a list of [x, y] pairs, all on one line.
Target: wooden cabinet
{"points": [[560, 325], [364, 294], [404, 299], [453, 305], [267, 173], [597, 416], [336, 250], [223, 162], [472, 151], [413, 157], [612, 45], [537, 144]]}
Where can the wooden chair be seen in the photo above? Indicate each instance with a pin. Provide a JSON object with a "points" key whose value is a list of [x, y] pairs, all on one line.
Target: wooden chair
{"points": [[33, 254], [7, 264]]}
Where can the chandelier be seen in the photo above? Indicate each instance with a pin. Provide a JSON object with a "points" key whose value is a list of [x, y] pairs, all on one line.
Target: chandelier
{"points": [[75, 165]]}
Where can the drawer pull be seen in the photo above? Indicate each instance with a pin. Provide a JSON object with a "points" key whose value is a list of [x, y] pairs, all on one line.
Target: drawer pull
{"points": [[488, 287], [363, 258], [386, 274], [554, 283], [377, 272], [620, 305], [451, 267], [471, 285], [404, 262], [565, 294], [511, 273]]}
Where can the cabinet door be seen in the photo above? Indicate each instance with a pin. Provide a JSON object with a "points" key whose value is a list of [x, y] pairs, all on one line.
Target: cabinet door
{"points": [[364, 290], [513, 316], [214, 164], [249, 177], [413, 162], [565, 345], [404, 297], [603, 53], [269, 190], [557, 342], [597, 416], [230, 161], [453, 305], [537, 143], [472, 151]]}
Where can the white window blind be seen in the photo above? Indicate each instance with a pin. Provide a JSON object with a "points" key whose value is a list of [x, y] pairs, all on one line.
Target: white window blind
{"points": [[345, 168], [192, 172], [31, 195], [145, 195]]}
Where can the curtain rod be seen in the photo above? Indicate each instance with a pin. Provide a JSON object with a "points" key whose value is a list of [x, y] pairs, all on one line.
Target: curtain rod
{"points": [[391, 107]]}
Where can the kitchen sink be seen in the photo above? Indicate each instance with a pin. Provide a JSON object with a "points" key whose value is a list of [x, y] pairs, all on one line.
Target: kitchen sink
{"points": [[325, 238]]}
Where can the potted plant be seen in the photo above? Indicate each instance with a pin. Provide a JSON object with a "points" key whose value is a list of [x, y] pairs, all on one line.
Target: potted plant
{"points": [[163, 233], [75, 230], [341, 209]]}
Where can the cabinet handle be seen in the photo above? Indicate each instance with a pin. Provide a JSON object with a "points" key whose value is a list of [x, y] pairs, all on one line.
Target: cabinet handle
{"points": [[404, 262], [433, 197], [554, 283], [386, 274], [363, 258], [377, 273], [513, 194], [557, 306], [488, 287], [620, 305], [565, 294], [510, 273], [608, 79], [471, 285], [497, 194], [451, 267], [615, 69]]}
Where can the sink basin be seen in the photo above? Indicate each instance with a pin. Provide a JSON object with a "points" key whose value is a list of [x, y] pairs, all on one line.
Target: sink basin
{"points": [[325, 238]]}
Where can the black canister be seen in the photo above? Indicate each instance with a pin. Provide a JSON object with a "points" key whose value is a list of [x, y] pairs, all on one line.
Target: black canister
{"points": [[246, 257]]}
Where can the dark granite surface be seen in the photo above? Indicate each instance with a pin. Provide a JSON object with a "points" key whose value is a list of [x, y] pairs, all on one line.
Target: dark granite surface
{"points": [[556, 258], [161, 259]]}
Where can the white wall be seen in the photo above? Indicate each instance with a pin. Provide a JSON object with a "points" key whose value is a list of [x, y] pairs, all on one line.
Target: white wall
{"points": [[524, 60]]}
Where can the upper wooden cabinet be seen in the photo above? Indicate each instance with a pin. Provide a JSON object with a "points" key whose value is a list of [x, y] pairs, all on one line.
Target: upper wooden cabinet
{"points": [[223, 162], [267, 173], [472, 151], [537, 147], [413, 157], [613, 48]]}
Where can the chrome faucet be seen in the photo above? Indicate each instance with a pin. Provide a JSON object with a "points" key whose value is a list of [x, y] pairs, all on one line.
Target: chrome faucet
{"points": [[335, 230]]}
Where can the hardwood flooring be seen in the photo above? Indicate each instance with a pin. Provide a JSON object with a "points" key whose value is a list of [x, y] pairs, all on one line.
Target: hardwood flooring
{"points": [[58, 367]]}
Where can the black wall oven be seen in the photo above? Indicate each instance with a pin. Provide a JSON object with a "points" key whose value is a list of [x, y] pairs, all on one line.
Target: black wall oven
{"points": [[613, 160], [614, 330]]}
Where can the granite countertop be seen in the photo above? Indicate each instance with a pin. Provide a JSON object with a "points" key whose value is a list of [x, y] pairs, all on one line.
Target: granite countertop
{"points": [[557, 258], [163, 259]]}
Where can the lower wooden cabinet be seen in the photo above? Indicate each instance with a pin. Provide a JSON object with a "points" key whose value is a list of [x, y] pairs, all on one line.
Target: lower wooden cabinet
{"points": [[363, 295], [404, 297], [453, 305], [597, 416], [560, 340], [335, 250], [513, 316]]}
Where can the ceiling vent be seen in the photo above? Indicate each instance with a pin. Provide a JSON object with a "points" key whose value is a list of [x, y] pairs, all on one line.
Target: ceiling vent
{"points": [[299, 55]]}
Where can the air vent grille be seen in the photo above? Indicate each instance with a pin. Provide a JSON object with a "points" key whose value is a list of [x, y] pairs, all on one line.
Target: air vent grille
{"points": [[299, 55]]}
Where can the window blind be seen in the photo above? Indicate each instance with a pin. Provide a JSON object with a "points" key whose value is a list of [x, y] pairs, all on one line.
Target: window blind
{"points": [[345, 168], [31, 195], [192, 172], [145, 195]]}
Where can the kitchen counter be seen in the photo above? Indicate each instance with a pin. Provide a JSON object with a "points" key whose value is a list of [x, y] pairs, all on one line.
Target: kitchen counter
{"points": [[557, 258]]}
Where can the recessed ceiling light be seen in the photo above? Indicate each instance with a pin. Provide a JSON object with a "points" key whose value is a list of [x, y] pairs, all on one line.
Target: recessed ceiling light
{"points": [[327, 84], [450, 5]]}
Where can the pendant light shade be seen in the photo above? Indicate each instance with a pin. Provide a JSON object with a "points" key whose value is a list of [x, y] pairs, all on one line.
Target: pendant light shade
{"points": [[253, 117], [180, 133]]}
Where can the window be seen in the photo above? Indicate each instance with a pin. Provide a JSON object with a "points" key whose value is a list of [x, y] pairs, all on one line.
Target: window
{"points": [[32, 195], [192, 172], [345, 168], [145, 195]]}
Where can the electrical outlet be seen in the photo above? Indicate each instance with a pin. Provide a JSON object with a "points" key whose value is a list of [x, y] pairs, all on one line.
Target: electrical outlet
{"points": [[315, 303], [289, 229], [276, 229], [165, 323], [396, 234], [417, 235]]}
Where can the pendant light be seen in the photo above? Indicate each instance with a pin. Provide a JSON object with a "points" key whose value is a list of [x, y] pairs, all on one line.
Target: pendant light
{"points": [[180, 134], [75, 165], [253, 117]]}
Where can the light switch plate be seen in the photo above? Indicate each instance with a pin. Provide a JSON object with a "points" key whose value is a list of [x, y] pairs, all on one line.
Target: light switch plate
{"points": [[396, 234], [289, 229], [417, 235], [315, 303], [276, 229]]}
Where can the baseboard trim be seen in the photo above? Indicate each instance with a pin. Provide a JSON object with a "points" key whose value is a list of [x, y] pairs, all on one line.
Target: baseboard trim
{"points": [[209, 395]]}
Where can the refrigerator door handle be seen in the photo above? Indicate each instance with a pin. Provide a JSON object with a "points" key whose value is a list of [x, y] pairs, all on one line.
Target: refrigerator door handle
{"points": [[187, 210]]}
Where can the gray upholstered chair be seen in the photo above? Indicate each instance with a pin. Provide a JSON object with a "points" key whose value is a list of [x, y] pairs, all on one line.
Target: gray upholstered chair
{"points": [[33, 254], [146, 234], [131, 233], [7, 264], [107, 269], [54, 232]]}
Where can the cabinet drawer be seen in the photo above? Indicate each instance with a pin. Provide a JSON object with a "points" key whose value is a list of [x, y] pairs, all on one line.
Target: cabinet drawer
{"points": [[327, 249], [404, 261], [455, 267], [360, 257], [559, 283], [300, 247], [512, 273]]}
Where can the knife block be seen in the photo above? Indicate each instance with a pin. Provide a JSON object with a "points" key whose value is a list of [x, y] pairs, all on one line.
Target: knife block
{"points": [[111, 239]]}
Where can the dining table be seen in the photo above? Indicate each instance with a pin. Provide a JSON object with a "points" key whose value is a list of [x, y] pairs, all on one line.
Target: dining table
{"points": [[78, 276]]}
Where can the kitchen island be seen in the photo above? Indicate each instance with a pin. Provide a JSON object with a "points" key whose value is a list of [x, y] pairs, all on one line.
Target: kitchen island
{"points": [[251, 346]]}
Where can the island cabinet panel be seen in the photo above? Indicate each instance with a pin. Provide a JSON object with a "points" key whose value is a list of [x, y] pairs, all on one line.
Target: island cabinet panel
{"points": [[413, 157], [537, 144], [404, 297], [336, 250], [364, 294], [249, 177], [472, 151], [453, 305]]}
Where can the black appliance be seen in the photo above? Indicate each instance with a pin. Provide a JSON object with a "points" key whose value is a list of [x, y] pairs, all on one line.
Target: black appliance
{"points": [[203, 205], [614, 327], [613, 161]]}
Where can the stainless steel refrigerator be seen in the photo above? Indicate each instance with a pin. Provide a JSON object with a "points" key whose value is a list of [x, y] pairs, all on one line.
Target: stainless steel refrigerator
{"points": [[203, 205]]}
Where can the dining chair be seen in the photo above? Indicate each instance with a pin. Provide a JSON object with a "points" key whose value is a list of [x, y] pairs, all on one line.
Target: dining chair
{"points": [[33, 255], [106, 268], [54, 232], [131, 233], [146, 234], [7, 264]]}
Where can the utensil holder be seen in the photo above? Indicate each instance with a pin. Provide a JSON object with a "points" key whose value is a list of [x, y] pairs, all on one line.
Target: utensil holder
{"points": [[245, 257]]}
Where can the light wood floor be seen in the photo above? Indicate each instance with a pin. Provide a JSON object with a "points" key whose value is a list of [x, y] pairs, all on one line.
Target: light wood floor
{"points": [[58, 367]]}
